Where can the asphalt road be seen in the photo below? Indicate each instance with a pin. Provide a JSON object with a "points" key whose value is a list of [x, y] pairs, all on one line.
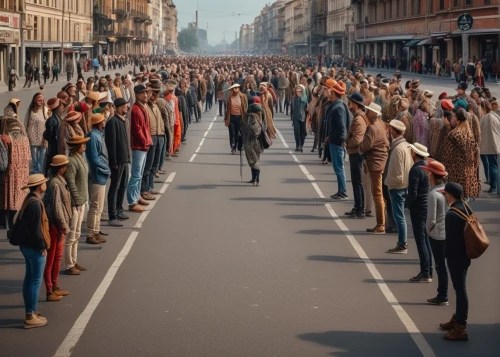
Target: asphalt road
{"points": [[221, 268]]}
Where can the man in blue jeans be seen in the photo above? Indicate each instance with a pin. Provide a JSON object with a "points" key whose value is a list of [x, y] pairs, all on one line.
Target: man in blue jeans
{"points": [[396, 179], [337, 119]]}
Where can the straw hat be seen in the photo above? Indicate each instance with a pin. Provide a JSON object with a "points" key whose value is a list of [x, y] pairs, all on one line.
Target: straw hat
{"points": [[59, 160], [436, 167], [35, 180], [419, 149], [339, 88], [236, 85], [14, 101], [93, 95], [77, 140], [374, 108], [398, 125], [53, 103], [96, 119], [72, 116]]}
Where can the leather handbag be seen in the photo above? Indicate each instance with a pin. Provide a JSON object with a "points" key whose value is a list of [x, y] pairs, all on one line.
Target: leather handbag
{"points": [[476, 240]]}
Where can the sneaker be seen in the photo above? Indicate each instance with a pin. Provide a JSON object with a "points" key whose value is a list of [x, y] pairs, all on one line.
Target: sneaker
{"points": [[122, 217], [353, 211], [357, 214], [54, 297], [368, 214], [34, 321], [339, 196], [391, 230], [437, 301], [115, 223], [379, 229], [420, 278], [399, 249]]}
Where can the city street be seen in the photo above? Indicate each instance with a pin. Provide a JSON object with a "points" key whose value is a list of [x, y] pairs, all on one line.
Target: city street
{"points": [[217, 267]]}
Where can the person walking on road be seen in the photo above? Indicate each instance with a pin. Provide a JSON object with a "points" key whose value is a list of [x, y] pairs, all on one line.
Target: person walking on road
{"points": [[95, 65], [266, 100], [355, 135], [490, 145], [435, 227], [77, 176], [69, 69], [119, 161], [99, 172], [416, 201], [140, 139], [57, 201], [253, 126], [237, 105], [374, 148], [298, 114], [336, 134], [33, 240], [396, 179], [458, 261], [55, 72]]}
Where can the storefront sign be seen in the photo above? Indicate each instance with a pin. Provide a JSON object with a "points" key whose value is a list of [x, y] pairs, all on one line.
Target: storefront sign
{"points": [[465, 22], [5, 20], [7, 37]]}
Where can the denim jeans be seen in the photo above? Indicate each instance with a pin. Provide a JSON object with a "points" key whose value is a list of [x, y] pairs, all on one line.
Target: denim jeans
{"points": [[486, 167], [234, 132], [164, 149], [356, 165], [398, 213], [490, 163], [458, 276], [222, 103], [299, 132], [134, 184], [338, 155], [38, 155], [418, 216], [35, 264], [152, 160], [437, 247]]}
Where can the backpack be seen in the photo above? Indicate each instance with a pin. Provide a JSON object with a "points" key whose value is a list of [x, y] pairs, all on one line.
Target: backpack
{"points": [[15, 233], [476, 240]]}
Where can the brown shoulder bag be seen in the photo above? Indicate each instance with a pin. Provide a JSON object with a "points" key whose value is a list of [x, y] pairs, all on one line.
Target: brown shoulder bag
{"points": [[476, 240]]}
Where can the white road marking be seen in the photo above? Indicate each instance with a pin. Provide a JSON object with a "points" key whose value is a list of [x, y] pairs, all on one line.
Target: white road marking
{"points": [[215, 118], [198, 149], [192, 158], [73, 336], [69, 343], [202, 141], [210, 126], [281, 138], [206, 133], [410, 326]]}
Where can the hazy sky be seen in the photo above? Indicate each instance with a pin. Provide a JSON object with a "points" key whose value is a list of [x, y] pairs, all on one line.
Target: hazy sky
{"points": [[218, 15]]}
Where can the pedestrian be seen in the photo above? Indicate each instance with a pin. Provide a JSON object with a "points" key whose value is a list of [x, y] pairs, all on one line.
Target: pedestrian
{"points": [[374, 148], [33, 240], [416, 202], [266, 100], [69, 127], [398, 167], [337, 118], [140, 138], [69, 69], [457, 259], [45, 70], [36, 116], [57, 201], [253, 127], [28, 73], [13, 76], [435, 227], [490, 145], [298, 114], [12, 108], [95, 65], [55, 72], [237, 105], [119, 161], [76, 176], [355, 135]]}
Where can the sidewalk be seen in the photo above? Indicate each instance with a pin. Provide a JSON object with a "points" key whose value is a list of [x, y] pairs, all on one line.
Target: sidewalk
{"points": [[4, 88]]}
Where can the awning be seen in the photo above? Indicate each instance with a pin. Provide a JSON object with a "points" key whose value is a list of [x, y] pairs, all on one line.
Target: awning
{"points": [[323, 44], [412, 43], [428, 41], [386, 38]]}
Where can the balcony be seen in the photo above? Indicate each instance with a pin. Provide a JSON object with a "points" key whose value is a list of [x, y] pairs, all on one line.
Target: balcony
{"points": [[138, 16], [122, 8], [148, 20], [102, 15], [124, 33]]}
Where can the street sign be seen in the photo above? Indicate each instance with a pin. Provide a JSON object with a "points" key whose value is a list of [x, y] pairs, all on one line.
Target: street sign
{"points": [[465, 22]]}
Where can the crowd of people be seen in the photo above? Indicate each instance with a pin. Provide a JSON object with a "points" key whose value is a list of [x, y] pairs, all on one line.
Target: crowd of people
{"points": [[406, 150]]}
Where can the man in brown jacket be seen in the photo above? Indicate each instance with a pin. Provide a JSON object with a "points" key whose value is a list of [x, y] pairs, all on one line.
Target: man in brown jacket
{"points": [[355, 136], [236, 105], [375, 147]]}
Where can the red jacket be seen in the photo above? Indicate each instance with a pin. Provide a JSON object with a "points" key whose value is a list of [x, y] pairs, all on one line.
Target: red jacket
{"points": [[140, 133]]}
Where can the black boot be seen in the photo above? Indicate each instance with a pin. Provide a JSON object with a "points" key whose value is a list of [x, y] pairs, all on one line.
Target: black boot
{"points": [[320, 152], [257, 177], [253, 176]]}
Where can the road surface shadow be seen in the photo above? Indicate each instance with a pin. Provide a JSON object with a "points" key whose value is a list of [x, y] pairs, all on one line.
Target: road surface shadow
{"points": [[281, 199], [342, 259], [305, 216]]}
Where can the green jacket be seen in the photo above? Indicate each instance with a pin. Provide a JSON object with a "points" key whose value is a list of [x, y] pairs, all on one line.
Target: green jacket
{"points": [[77, 176]]}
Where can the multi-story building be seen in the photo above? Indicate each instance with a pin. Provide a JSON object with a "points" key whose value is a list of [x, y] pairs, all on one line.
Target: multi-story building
{"points": [[53, 29], [276, 26], [318, 26], [169, 14], [246, 38], [339, 19], [427, 30], [297, 28], [10, 39], [257, 30]]}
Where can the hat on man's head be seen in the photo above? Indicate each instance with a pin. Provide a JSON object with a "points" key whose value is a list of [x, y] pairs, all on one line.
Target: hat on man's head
{"points": [[119, 102], [447, 104], [105, 103], [140, 88], [357, 98], [339, 88], [428, 93], [462, 86], [454, 189], [77, 140], [420, 149], [435, 167], [415, 83], [398, 125], [373, 107], [53, 103], [63, 97], [72, 116], [59, 160], [14, 101], [93, 95], [235, 85], [35, 180], [443, 95], [460, 104], [96, 119], [81, 107]]}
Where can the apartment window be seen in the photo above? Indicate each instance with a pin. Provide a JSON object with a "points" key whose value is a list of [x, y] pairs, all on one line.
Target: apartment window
{"points": [[456, 3], [468, 2], [415, 10], [487, 2], [430, 6]]}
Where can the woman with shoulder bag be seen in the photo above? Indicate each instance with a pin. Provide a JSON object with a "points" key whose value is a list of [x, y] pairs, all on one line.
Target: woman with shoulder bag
{"points": [[253, 128]]}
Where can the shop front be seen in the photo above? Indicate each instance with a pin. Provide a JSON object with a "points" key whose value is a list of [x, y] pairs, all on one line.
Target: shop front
{"points": [[9, 46]]}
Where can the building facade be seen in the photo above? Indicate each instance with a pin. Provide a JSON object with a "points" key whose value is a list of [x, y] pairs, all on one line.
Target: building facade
{"points": [[10, 38], [169, 15], [427, 30], [340, 32], [246, 38], [319, 12], [54, 30]]}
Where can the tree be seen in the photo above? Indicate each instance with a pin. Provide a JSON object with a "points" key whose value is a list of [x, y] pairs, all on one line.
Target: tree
{"points": [[188, 40]]}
